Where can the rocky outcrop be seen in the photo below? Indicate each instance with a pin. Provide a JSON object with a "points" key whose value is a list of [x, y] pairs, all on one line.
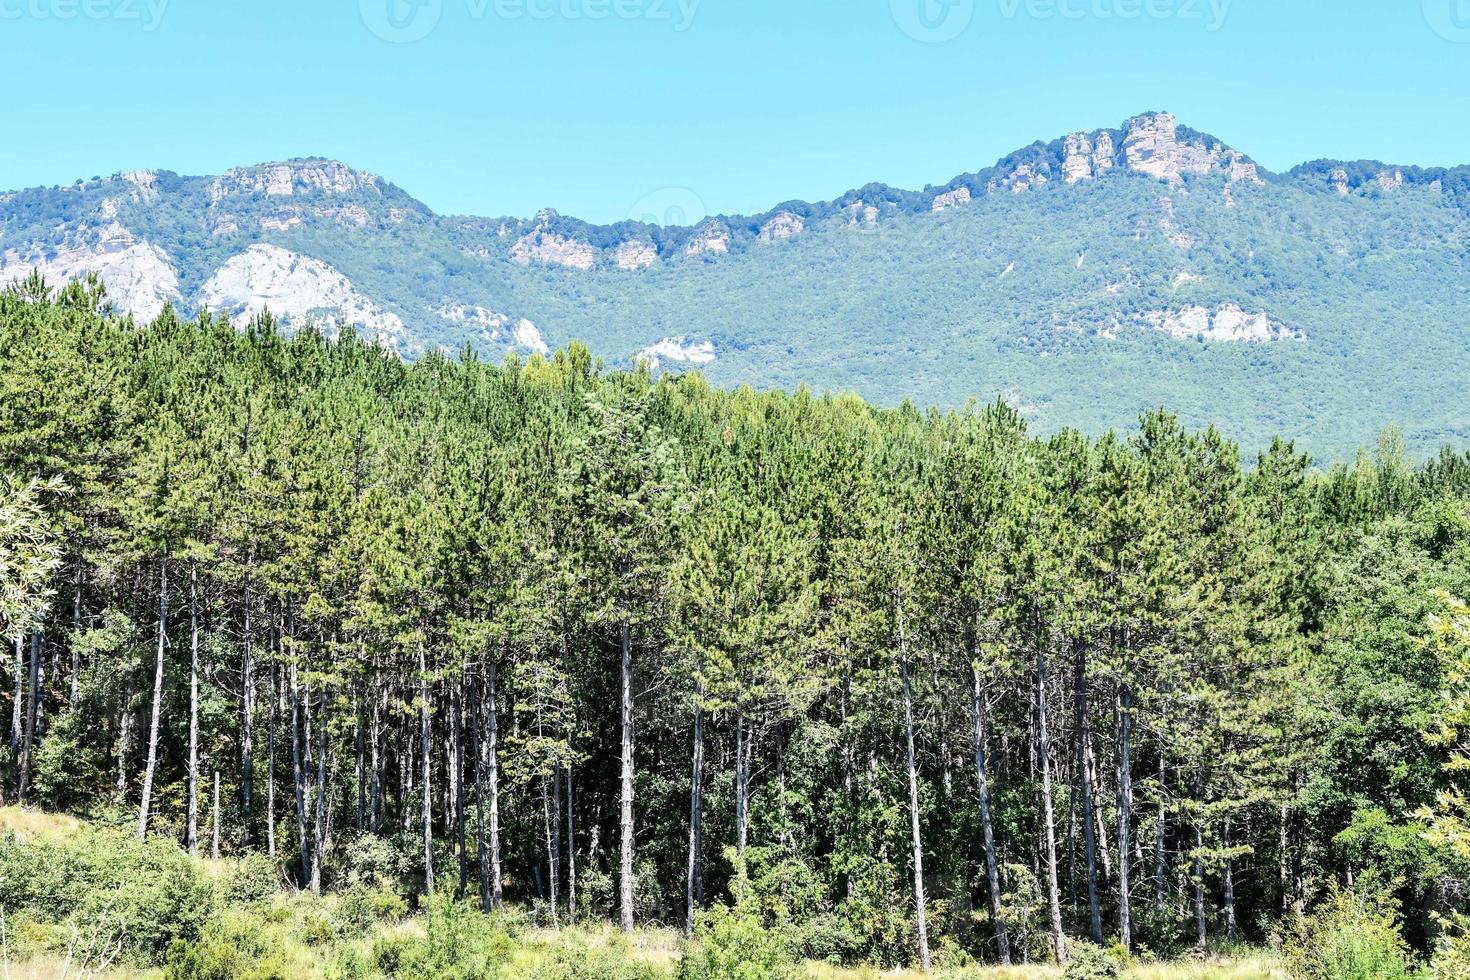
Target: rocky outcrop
{"points": [[951, 199], [1388, 182], [1339, 181], [782, 226], [300, 290], [548, 248], [139, 276], [1020, 180], [292, 177], [496, 329], [859, 213], [1227, 324], [1152, 146], [635, 254], [282, 219], [677, 350], [351, 216], [143, 184], [710, 237], [1087, 157]]}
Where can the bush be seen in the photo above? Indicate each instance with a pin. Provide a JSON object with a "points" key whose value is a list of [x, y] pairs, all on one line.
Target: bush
{"points": [[1348, 937], [234, 948], [149, 895], [461, 944], [253, 879], [1088, 962], [734, 945], [361, 908], [581, 963], [1452, 951]]}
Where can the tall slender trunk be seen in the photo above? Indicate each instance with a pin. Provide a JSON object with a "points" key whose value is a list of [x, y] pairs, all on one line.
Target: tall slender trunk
{"points": [[124, 743], [247, 724], [1125, 806], [298, 777], [214, 843], [482, 857], [571, 842], [1043, 751], [743, 756], [1199, 863], [270, 763], [192, 838], [548, 824], [424, 736], [76, 630], [625, 885], [492, 750], [457, 733], [982, 781], [359, 755], [913, 774], [1089, 830], [319, 797], [1160, 835], [1232, 927], [17, 709], [33, 708], [696, 785], [375, 763], [152, 764]]}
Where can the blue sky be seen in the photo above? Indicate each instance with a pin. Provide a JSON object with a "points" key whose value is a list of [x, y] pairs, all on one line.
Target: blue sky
{"points": [[590, 106]]}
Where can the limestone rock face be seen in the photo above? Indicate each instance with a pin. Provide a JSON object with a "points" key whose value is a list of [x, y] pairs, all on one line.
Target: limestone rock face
{"points": [[299, 290], [1087, 156], [635, 254], [546, 247], [710, 237], [496, 329], [1390, 182], [1152, 146], [1339, 180], [1227, 324], [783, 226], [859, 213], [287, 179], [677, 350], [1020, 180], [951, 199], [139, 276]]}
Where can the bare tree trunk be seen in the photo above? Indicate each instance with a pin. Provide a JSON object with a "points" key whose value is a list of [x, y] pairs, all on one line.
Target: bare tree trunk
{"points": [[625, 819], [982, 781], [1125, 806], [482, 857], [743, 755], [696, 785], [76, 629], [270, 763], [424, 735], [913, 774], [1232, 927], [1043, 749], [1199, 865], [1089, 830], [152, 764], [571, 841], [457, 733], [192, 836], [493, 786], [33, 707], [17, 709], [1160, 835], [247, 725], [298, 777], [319, 798], [214, 844]]}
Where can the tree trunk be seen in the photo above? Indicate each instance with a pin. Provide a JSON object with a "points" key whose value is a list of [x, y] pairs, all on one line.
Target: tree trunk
{"points": [[743, 757], [481, 855], [247, 726], [1232, 928], [270, 763], [1089, 829], [982, 780], [214, 844], [1160, 836], [913, 774], [459, 780], [298, 777], [696, 785], [1125, 805], [17, 709], [319, 797], [76, 630], [192, 838], [1043, 750], [625, 885], [424, 736], [1199, 865], [493, 785], [571, 842], [33, 707], [152, 764]]}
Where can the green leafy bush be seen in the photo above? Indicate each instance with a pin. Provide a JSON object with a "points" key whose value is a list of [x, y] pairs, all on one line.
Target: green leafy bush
{"points": [[1349, 937], [460, 944], [232, 948], [1088, 962], [731, 944]]}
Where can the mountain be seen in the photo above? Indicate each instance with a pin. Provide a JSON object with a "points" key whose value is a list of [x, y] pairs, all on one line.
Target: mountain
{"points": [[1084, 279]]}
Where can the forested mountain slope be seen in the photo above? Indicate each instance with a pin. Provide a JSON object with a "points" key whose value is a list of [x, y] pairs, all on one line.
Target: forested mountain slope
{"points": [[1083, 280]]}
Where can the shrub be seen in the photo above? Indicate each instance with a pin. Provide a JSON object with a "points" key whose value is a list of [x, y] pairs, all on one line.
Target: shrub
{"points": [[733, 945], [1452, 951], [233, 948], [253, 879], [460, 944], [1348, 937], [1088, 962], [360, 908]]}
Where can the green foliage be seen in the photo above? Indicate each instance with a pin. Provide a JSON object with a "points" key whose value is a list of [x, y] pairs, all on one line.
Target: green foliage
{"points": [[234, 947], [731, 944], [459, 944], [1088, 962], [1350, 936], [147, 895]]}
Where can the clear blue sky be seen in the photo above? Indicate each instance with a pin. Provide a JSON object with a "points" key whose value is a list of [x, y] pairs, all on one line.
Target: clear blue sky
{"points": [[507, 106]]}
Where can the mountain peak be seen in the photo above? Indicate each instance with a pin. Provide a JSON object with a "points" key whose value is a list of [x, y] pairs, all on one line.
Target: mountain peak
{"points": [[289, 177]]}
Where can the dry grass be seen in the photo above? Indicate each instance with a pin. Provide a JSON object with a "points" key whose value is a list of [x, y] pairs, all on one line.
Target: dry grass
{"points": [[29, 823], [1249, 968]]}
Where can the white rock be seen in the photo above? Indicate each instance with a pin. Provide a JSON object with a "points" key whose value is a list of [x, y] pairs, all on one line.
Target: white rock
{"points": [[139, 276], [1227, 324], [680, 350], [299, 290], [712, 236], [783, 226], [951, 199], [634, 254]]}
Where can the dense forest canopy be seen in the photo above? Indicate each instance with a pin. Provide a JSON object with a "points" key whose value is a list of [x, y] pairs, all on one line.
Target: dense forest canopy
{"points": [[620, 647]]}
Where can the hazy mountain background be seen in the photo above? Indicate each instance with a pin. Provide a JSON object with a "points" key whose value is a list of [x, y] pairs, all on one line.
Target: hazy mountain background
{"points": [[1084, 280]]}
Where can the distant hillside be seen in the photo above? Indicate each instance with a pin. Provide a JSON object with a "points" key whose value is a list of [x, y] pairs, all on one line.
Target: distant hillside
{"points": [[1084, 280]]}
